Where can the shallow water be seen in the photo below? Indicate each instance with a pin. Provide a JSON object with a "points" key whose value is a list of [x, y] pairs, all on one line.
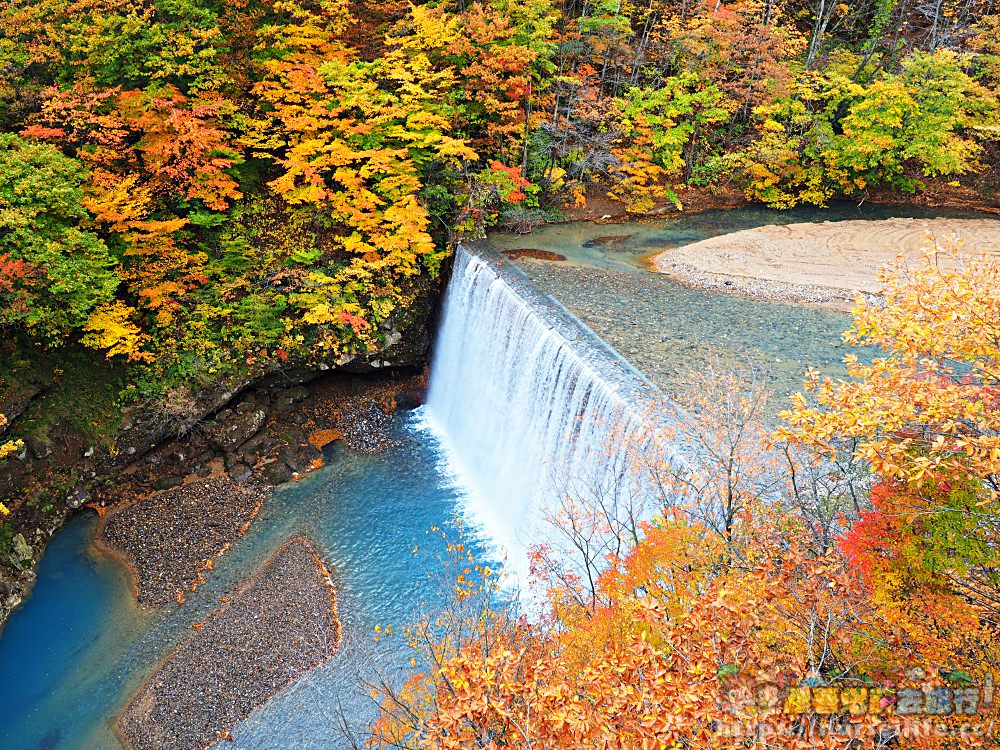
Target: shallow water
{"points": [[639, 239], [72, 654], [669, 330]]}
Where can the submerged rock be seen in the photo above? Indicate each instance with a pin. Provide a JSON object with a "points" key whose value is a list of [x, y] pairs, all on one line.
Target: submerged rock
{"points": [[611, 239], [534, 253], [280, 625]]}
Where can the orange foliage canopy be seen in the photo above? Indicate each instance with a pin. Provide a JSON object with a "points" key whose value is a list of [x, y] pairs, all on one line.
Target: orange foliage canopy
{"points": [[721, 631], [789, 649]]}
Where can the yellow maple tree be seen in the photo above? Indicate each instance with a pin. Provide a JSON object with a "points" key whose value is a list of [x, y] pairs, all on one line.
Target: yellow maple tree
{"points": [[927, 407]]}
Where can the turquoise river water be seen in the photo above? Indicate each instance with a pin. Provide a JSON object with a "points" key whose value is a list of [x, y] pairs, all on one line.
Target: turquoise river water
{"points": [[73, 653]]}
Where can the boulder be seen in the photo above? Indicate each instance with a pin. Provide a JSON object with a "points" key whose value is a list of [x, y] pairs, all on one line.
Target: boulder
{"points": [[277, 472], [230, 435], [246, 407], [298, 393], [40, 446], [411, 398], [77, 497]]}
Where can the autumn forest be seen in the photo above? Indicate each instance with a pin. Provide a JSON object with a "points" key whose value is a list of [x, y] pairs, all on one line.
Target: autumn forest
{"points": [[198, 195], [193, 184]]}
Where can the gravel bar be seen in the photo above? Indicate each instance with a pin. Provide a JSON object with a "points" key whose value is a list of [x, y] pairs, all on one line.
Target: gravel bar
{"points": [[169, 538], [279, 626]]}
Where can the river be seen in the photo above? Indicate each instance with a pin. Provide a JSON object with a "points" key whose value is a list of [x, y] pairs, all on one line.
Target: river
{"points": [[77, 649]]}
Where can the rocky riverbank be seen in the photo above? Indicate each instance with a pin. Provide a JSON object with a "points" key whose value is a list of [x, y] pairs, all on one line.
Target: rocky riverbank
{"points": [[268, 634], [267, 435], [212, 482]]}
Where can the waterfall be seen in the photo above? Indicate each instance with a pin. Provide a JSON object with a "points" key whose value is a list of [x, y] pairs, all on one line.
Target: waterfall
{"points": [[528, 401]]}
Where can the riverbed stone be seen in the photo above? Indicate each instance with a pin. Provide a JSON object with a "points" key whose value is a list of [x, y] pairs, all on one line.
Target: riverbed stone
{"points": [[530, 252]]}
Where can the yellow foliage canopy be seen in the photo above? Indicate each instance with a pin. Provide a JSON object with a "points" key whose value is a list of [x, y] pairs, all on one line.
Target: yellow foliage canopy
{"points": [[929, 407], [110, 328]]}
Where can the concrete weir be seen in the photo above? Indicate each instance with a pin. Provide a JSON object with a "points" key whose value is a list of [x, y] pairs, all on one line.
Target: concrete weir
{"points": [[530, 402]]}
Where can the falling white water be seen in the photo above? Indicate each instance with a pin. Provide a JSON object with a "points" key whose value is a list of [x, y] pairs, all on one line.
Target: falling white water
{"points": [[527, 401]]}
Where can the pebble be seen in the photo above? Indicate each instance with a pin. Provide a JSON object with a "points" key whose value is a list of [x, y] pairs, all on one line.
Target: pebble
{"points": [[168, 537]]}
